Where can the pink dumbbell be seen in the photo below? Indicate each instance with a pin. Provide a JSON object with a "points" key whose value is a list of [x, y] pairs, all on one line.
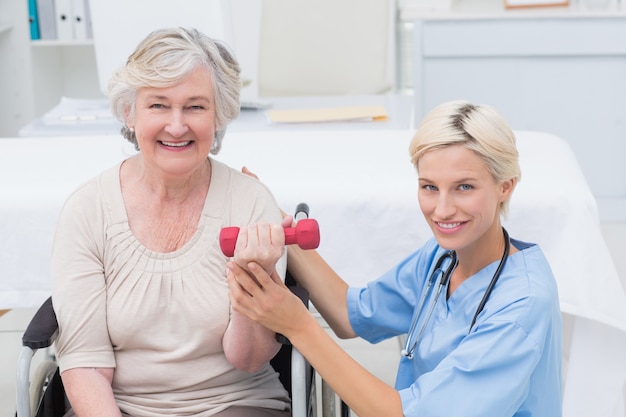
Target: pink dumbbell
{"points": [[306, 234]]}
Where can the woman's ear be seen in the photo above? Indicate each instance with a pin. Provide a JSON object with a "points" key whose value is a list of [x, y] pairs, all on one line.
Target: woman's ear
{"points": [[128, 119]]}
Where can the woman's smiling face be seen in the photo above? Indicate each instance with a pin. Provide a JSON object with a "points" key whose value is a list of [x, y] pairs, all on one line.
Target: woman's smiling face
{"points": [[175, 126], [458, 196]]}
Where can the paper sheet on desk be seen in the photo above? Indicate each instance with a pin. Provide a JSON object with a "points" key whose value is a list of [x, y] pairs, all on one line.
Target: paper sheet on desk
{"points": [[334, 114], [73, 110]]}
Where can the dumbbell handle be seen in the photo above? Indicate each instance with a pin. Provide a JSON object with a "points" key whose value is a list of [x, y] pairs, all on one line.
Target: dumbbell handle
{"points": [[306, 234]]}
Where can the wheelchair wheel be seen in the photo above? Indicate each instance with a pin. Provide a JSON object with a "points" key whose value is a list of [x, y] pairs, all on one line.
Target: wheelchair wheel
{"points": [[40, 380]]}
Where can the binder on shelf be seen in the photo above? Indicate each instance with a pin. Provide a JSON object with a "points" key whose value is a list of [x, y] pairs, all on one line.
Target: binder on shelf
{"points": [[64, 20], [88, 24], [47, 19], [32, 19], [79, 19]]}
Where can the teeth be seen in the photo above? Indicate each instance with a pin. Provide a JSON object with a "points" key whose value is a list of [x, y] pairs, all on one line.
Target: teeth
{"points": [[449, 225], [176, 144]]}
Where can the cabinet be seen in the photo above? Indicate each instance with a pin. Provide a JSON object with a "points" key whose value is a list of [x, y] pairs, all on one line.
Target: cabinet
{"points": [[562, 73], [16, 92], [34, 75]]}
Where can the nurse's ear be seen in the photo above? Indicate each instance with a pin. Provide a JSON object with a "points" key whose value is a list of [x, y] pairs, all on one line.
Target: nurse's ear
{"points": [[506, 189]]}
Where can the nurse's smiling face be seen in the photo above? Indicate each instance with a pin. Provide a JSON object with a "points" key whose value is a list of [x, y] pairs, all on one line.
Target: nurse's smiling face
{"points": [[458, 196], [175, 125]]}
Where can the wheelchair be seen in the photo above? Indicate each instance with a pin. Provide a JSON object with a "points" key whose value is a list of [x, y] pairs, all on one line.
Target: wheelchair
{"points": [[43, 394]]}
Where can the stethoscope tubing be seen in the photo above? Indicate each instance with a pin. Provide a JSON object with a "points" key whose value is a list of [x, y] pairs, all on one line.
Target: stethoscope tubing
{"points": [[410, 345]]}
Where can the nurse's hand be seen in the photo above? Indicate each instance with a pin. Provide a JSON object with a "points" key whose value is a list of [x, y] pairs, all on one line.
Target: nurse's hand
{"points": [[264, 298]]}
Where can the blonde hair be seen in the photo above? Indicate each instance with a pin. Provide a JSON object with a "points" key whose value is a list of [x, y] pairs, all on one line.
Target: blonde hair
{"points": [[479, 128], [166, 57]]}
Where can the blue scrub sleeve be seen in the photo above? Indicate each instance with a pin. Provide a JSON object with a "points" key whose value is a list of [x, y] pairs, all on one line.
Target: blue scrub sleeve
{"points": [[384, 308]]}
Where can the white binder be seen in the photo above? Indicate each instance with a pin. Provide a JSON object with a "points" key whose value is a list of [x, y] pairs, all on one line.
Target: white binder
{"points": [[64, 20], [79, 19]]}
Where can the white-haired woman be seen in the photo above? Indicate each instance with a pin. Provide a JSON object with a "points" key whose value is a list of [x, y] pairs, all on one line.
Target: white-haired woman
{"points": [[488, 344], [139, 281]]}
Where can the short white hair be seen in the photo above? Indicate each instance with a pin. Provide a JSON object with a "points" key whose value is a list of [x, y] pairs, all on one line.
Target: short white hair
{"points": [[166, 57]]}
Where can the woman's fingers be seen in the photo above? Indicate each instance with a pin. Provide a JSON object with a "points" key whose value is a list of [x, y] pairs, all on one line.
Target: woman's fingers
{"points": [[287, 221], [263, 243]]}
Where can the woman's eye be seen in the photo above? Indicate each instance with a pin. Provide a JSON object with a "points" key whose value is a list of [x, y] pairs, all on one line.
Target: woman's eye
{"points": [[465, 187], [429, 187], [157, 106]]}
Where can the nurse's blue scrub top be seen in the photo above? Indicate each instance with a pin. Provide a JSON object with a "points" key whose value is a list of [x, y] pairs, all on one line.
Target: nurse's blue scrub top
{"points": [[510, 363]]}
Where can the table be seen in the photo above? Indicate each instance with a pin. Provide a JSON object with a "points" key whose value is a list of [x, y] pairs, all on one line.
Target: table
{"points": [[399, 108], [361, 188]]}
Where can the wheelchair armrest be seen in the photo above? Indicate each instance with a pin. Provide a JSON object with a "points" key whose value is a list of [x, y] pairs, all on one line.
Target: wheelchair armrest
{"points": [[42, 329], [301, 293]]}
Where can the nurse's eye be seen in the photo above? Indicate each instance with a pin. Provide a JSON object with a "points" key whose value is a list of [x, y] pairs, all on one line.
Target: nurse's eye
{"points": [[429, 187], [465, 187]]}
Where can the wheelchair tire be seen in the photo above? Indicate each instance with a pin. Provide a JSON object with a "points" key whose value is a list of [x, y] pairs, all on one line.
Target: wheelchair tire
{"points": [[40, 380]]}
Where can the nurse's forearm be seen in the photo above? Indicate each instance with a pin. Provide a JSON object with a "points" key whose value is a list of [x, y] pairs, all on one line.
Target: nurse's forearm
{"points": [[326, 289], [363, 392]]}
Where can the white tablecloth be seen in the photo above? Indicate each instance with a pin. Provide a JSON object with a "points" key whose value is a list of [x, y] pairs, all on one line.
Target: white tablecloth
{"points": [[362, 189]]}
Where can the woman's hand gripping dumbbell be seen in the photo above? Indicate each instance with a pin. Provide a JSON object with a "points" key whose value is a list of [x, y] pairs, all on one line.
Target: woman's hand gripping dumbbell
{"points": [[305, 234]]}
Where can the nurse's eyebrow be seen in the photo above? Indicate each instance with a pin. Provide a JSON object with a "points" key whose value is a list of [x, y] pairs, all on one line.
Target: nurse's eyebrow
{"points": [[458, 181], [466, 179]]}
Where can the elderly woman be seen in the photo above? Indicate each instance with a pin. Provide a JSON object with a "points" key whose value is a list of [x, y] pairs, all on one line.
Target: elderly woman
{"points": [[139, 281], [479, 310]]}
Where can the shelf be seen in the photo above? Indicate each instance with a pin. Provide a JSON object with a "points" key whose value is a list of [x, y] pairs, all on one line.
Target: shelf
{"points": [[54, 42]]}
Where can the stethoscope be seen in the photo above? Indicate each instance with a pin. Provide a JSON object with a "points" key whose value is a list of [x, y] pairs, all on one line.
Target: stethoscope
{"points": [[443, 271]]}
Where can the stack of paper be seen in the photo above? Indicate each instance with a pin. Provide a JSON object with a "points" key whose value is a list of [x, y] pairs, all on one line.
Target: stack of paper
{"points": [[73, 110], [334, 114]]}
